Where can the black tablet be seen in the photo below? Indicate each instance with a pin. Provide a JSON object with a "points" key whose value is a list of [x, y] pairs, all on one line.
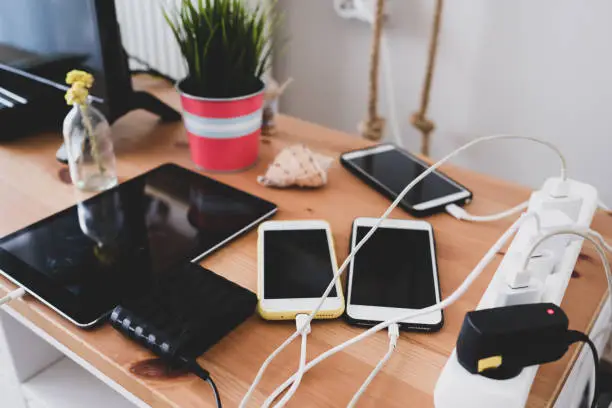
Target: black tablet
{"points": [[85, 260]]}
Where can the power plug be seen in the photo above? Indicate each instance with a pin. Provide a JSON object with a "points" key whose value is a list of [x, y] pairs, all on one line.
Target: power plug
{"points": [[563, 195], [363, 10], [498, 343], [542, 265], [532, 291], [541, 262], [550, 219]]}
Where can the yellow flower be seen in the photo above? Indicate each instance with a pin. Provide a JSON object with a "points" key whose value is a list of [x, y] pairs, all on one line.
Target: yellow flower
{"points": [[83, 77], [77, 94]]}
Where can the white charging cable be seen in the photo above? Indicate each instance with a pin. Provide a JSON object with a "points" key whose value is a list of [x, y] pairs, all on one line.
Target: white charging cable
{"points": [[302, 326], [461, 214], [16, 294], [393, 336], [608, 248], [385, 215], [607, 327], [603, 242], [586, 233], [476, 272]]}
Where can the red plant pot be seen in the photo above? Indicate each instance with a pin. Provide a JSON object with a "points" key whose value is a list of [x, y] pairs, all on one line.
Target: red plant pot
{"points": [[223, 133]]}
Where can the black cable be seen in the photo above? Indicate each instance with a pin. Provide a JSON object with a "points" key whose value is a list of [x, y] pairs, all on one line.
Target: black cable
{"points": [[215, 391], [196, 369], [575, 336]]}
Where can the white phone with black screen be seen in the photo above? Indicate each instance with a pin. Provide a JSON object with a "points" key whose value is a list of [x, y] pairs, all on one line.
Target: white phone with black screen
{"points": [[395, 272], [388, 169], [296, 263]]}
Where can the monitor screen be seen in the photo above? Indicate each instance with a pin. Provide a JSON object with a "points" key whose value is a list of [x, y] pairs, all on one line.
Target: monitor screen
{"points": [[48, 38]]}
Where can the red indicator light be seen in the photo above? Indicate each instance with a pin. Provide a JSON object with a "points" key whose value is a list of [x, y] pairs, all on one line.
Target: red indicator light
{"points": [[550, 312]]}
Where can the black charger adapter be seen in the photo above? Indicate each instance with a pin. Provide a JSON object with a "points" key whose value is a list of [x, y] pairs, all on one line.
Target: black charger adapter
{"points": [[498, 343]]}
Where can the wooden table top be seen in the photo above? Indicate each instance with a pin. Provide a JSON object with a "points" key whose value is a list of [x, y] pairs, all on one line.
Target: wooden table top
{"points": [[31, 189]]}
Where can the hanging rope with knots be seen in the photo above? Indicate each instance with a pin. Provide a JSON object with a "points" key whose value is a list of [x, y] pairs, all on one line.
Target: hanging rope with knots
{"points": [[419, 119], [373, 126]]}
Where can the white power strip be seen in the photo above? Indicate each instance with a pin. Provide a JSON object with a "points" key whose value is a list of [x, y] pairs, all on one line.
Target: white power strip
{"points": [[549, 275]]}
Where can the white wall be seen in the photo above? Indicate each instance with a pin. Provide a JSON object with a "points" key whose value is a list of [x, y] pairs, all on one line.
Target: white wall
{"points": [[540, 68]]}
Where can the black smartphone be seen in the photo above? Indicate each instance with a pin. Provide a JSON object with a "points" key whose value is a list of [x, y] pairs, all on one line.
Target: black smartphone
{"points": [[394, 273], [388, 169]]}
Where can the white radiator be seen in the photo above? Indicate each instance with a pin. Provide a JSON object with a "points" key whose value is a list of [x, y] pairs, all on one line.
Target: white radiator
{"points": [[146, 34]]}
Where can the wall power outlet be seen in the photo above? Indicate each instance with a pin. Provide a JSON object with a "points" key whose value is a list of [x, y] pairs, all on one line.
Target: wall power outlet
{"points": [[362, 10]]}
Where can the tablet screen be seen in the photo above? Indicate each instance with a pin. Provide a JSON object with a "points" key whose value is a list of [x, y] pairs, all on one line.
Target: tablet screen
{"points": [[84, 260]]}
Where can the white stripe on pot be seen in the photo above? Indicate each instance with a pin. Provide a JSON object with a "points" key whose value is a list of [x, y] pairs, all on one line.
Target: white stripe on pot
{"points": [[222, 128], [222, 121]]}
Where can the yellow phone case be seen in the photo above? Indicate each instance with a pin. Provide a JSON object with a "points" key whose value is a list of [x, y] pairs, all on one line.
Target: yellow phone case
{"points": [[290, 315]]}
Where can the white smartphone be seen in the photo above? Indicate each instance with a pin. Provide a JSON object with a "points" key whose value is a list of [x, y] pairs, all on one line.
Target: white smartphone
{"points": [[388, 169], [296, 262], [395, 272]]}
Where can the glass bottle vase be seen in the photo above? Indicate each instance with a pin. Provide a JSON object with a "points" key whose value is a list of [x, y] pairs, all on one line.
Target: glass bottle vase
{"points": [[89, 148]]}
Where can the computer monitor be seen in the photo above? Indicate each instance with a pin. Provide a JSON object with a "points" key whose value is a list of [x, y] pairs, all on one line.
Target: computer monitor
{"points": [[41, 40]]}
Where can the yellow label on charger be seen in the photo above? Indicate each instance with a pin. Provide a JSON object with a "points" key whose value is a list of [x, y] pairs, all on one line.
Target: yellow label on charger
{"points": [[488, 363]]}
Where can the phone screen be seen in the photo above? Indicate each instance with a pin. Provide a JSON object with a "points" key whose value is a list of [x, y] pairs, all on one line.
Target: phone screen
{"points": [[297, 264], [394, 269], [395, 170]]}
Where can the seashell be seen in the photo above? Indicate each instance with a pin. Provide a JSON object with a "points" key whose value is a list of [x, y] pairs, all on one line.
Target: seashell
{"points": [[297, 166]]}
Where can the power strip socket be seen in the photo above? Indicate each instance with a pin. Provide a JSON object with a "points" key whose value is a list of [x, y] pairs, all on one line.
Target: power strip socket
{"points": [[546, 281]]}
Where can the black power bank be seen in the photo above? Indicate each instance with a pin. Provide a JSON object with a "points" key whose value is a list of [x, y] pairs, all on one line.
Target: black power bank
{"points": [[187, 311]]}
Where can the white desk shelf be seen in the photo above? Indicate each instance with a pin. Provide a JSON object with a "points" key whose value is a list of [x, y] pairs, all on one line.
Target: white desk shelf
{"points": [[38, 372], [65, 384]]}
